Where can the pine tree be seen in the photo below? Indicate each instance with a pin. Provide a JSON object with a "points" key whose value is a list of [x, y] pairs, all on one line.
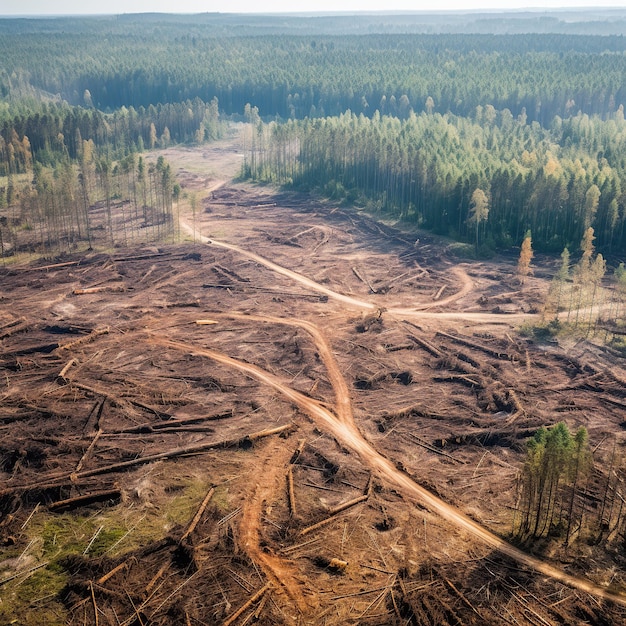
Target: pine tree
{"points": [[582, 270], [479, 211], [555, 463], [580, 464], [555, 292], [596, 274], [525, 257]]}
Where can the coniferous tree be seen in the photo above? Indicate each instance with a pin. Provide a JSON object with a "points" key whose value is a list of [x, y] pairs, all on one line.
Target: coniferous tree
{"points": [[525, 257], [555, 462], [557, 285]]}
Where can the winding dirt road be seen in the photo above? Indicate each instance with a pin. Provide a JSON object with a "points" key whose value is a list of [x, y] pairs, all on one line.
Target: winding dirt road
{"points": [[348, 435], [342, 426], [417, 312]]}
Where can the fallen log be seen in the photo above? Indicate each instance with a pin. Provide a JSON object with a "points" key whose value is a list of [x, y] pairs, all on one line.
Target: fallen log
{"points": [[92, 425], [45, 348], [477, 346], [314, 486], [115, 570], [27, 572], [102, 289], [55, 481], [84, 500], [427, 446], [422, 343], [419, 412], [96, 391], [92, 445], [278, 292], [14, 329], [281, 241], [86, 339], [359, 593], [62, 375], [462, 597], [397, 348], [74, 479], [160, 414], [338, 509], [459, 378], [142, 257], [45, 268], [259, 609], [198, 515], [230, 273], [185, 451], [178, 429], [13, 322], [482, 436], [364, 280], [349, 504], [290, 492], [296, 455], [517, 405], [259, 594], [149, 427], [156, 577], [439, 292], [621, 405]]}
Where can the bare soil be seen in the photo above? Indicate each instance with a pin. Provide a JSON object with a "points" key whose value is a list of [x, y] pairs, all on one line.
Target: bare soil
{"points": [[298, 416]]}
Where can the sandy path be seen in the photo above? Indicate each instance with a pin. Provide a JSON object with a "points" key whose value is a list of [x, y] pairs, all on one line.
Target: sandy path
{"points": [[303, 280], [343, 406]]}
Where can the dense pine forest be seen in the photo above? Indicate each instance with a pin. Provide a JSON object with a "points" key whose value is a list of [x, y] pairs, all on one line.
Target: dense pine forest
{"points": [[415, 118], [427, 168]]}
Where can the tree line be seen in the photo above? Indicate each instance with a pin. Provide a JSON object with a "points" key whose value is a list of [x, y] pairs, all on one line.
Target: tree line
{"points": [[64, 170], [488, 178], [49, 132], [55, 211], [479, 137]]}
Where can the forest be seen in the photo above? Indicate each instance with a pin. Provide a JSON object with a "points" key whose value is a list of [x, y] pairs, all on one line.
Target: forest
{"points": [[410, 124], [426, 169]]}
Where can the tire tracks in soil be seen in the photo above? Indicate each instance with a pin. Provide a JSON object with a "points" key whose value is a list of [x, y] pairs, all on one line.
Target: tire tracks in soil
{"points": [[277, 570]]}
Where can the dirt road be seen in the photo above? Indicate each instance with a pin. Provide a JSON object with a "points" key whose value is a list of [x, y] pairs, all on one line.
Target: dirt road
{"points": [[418, 312], [347, 434]]}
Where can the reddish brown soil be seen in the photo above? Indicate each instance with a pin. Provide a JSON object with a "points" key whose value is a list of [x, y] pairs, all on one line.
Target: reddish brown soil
{"points": [[400, 381]]}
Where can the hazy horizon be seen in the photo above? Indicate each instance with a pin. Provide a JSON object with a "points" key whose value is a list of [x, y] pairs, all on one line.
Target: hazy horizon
{"points": [[43, 8]]}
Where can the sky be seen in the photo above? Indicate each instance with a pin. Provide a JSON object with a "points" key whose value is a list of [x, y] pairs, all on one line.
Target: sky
{"points": [[72, 7]]}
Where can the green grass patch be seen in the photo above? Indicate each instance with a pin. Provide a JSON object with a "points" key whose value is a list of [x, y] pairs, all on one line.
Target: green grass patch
{"points": [[619, 344], [462, 250], [33, 599], [542, 331]]}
